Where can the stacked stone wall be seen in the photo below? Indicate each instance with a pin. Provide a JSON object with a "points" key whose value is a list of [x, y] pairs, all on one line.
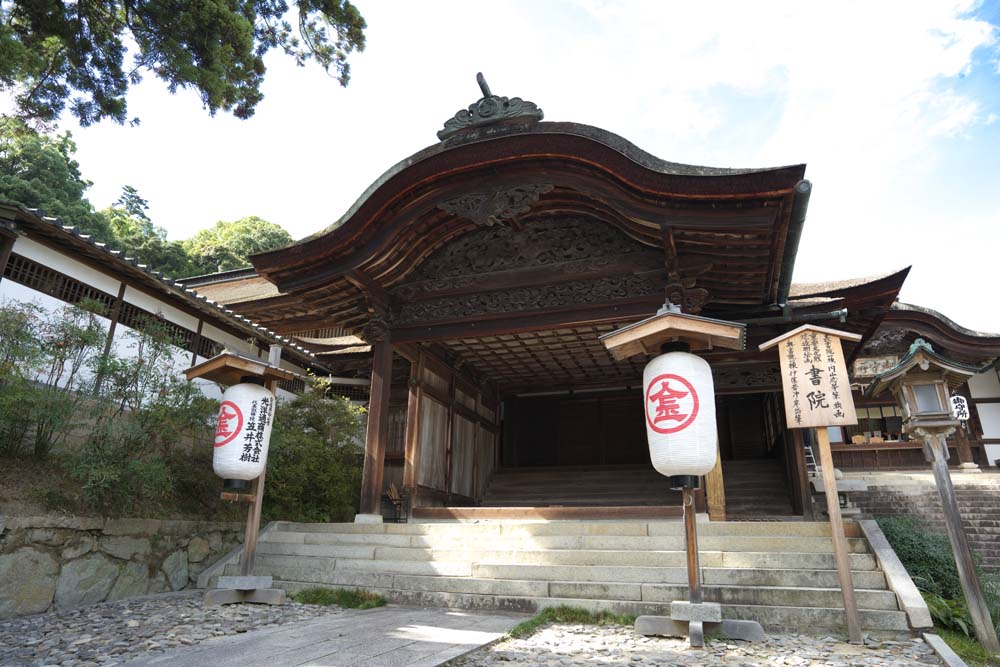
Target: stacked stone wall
{"points": [[61, 562]]}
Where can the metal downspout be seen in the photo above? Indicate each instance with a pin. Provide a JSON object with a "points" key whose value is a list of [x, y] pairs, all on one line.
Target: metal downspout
{"points": [[800, 203]]}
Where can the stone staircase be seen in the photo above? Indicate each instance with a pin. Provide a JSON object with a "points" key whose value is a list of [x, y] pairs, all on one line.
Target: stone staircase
{"points": [[780, 574], [756, 488], [978, 500], [580, 486]]}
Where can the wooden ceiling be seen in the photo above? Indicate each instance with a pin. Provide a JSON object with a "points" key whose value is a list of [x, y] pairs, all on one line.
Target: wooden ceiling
{"points": [[558, 357]]}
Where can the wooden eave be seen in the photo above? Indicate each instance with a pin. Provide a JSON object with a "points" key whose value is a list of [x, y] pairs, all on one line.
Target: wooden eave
{"points": [[739, 215], [100, 257], [954, 341]]}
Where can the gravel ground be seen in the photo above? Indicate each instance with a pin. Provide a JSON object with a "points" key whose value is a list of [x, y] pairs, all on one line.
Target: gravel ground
{"points": [[112, 633], [589, 646]]}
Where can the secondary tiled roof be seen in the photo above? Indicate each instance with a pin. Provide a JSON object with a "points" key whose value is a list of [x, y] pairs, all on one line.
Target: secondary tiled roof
{"points": [[56, 228]]}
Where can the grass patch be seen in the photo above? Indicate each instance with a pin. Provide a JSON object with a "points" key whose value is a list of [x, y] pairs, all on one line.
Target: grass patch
{"points": [[971, 651], [341, 597], [564, 614]]}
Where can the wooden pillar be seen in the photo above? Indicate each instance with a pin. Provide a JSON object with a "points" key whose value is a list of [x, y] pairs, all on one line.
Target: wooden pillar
{"points": [[801, 472], [378, 426], [840, 552], [196, 342], [716, 491], [411, 462], [115, 315], [974, 598], [7, 239]]}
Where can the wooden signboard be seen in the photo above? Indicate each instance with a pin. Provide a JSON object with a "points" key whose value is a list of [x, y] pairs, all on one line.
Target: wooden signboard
{"points": [[814, 377], [818, 394]]}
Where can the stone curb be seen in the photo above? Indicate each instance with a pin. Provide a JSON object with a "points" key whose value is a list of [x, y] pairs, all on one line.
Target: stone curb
{"points": [[219, 566], [898, 579], [945, 652]]}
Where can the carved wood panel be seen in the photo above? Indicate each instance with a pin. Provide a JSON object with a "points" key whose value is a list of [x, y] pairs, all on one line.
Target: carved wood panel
{"points": [[544, 264]]}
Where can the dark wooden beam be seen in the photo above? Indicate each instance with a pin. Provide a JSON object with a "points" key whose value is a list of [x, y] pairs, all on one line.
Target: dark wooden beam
{"points": [[7, 238], [376, 296], [622, 311], [378, 427], [116, 310]]}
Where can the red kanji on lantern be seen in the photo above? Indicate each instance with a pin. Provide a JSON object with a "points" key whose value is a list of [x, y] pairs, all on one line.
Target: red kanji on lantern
{"points": [[230, 423], [671, 403]]}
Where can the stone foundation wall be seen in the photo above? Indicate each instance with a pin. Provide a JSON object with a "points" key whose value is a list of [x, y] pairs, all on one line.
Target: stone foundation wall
{"points": [[60, 562]]}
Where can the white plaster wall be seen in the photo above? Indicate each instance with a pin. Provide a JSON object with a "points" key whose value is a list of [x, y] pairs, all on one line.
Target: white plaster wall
{"points": [[157, 307], [989, 415], [992, 453], [59, 262], [232, 343], [11, 291], [125, 346], [210, 389], [985, 385]]}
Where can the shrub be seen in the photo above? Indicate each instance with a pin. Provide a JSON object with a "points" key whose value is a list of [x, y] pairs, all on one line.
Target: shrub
{"points": [[567, 614], [341, 597], [314, 460], [926, 555], [43, 362]]}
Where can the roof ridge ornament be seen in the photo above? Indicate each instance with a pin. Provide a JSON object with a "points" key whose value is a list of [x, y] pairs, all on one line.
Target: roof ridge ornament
{"points": [[490, 109]]}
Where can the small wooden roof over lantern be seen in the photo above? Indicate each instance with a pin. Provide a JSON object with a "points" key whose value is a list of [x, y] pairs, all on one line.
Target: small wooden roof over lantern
{"points": [[648, 336], [920, 383], [923, 355], [228, 369]]}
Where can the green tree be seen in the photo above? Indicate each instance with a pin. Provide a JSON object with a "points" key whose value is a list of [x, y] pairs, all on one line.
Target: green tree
{"points": [[39, 171], [315, 458], [58, 53], [137, 236], [227, 245]]}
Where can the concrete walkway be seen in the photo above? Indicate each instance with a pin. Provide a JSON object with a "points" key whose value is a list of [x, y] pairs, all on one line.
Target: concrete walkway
{"points": [[384, 637]]}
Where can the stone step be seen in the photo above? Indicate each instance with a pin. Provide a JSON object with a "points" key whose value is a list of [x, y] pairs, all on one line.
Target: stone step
{"points": [[659, 575], [727, 543], [717, 587], [815, 620], [675, 558], [505, 529]]}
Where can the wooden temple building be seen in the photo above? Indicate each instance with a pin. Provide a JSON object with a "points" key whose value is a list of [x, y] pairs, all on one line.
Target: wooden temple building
{"points": [[472, 280]]}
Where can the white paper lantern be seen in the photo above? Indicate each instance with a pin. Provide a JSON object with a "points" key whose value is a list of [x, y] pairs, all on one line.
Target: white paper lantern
{"points": [[243, 432], [680, 414]]}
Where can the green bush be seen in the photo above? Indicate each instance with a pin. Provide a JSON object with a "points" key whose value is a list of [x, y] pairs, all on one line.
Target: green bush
{"points": [[926, 555], [928, 558], [43, 362], [146, 417], [341, 597], [314, 460], [567, 614]]}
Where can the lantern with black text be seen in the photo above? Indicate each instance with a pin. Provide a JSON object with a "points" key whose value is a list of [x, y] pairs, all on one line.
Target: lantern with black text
{"points": [[243, 432], [680, 414]]}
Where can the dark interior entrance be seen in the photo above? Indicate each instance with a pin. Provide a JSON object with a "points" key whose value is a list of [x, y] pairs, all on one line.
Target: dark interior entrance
{"points": [[746, 427], [574, 429]]}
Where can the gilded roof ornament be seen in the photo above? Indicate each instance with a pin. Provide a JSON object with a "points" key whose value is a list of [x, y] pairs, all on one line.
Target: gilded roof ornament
{"points": [[491, 109]]}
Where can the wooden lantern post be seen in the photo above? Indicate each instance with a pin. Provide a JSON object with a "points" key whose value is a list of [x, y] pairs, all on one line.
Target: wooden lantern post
{"points": [[921, 382], [817, 394], [651, 337], [228, 369]]}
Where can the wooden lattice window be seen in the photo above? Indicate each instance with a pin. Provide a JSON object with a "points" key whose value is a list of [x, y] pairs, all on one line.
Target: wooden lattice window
{"points": [[42, 279], [355, 392], [295, 386]]}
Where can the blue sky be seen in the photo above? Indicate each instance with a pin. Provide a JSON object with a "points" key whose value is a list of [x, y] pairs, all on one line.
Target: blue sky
{"points": [[894, 106]]}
